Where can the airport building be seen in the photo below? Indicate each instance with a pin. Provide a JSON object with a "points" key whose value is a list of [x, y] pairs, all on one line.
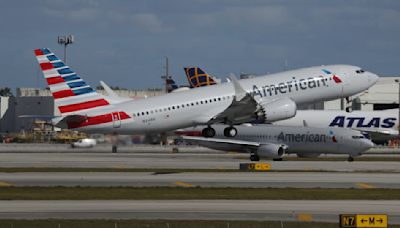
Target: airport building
{"points": [[39, 102]]}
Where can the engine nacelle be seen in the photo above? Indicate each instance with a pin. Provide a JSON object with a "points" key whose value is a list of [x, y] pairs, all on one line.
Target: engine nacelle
{"points": [[280, 109], [271, 151]]}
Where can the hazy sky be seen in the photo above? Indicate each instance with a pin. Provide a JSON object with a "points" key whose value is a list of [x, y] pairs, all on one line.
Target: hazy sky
{"points": [[124, 42]]}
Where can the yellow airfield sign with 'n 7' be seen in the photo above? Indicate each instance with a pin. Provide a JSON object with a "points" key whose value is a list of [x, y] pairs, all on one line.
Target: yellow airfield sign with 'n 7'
{"points": [[363, 220]]}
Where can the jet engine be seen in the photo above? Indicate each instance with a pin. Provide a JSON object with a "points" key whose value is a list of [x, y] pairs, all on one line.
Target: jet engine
{"points": [[271, 151], [276, 110]]}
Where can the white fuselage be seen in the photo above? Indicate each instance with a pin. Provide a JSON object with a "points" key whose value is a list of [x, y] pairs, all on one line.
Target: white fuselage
{"points": [[304, 141], [198, 106]]}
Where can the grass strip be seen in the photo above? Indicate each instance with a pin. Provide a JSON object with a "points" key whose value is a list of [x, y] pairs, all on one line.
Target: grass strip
{"points": [[164, 193], [167, 170], [51, 223]]}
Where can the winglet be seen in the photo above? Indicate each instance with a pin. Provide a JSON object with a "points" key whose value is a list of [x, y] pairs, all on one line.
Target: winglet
{"points": [[108, 90], [240, 93]]}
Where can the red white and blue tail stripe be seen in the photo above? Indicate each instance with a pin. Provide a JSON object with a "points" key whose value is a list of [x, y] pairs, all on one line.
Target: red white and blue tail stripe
{"points": [[72, 95]]}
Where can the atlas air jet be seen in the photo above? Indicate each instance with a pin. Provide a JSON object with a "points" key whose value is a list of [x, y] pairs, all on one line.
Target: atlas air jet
{"points": [[380, 125], [273, 142], [265, 98]]}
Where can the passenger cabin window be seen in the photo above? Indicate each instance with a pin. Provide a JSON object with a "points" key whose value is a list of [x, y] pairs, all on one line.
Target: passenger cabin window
{"points": [[357, 137]]}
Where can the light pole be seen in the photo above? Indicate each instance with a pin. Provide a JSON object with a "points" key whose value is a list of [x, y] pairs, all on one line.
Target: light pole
{"points": [[398, 118], [166, 76], [65, 40]]}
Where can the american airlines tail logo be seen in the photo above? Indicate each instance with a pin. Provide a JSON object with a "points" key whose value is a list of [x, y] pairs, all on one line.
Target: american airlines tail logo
{"points": [[335, 77]]}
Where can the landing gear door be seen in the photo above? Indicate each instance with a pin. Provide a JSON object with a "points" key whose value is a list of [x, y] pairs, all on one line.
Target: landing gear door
{"points": [[116, 117]]}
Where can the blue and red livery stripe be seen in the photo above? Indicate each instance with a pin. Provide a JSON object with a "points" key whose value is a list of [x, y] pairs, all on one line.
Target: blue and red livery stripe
{"points": [[83, 105], [46, 66], [54, 80], [100, 119], [63, 93]]}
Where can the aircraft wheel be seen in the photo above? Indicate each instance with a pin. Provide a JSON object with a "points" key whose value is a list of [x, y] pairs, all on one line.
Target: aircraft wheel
{"points": [[277, 159], [350, 159], [208, 132], [230, 132], [254, 157]]}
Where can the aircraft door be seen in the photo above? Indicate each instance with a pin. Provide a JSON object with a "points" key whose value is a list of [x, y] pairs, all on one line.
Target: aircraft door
{"points": [[345, 84], [339, 144], [116, 117]]}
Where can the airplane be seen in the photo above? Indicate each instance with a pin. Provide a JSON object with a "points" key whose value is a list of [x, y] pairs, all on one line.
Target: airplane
{"points": [[380, 125], [265, 98], [273, 142]]}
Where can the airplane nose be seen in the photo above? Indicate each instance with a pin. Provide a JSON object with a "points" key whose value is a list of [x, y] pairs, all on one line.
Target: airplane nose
{"points": [[366, 144], [372, 78]]}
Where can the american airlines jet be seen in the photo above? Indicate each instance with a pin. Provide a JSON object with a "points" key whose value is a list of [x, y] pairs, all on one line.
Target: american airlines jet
{"points": [[272, 141], [266, 99]]}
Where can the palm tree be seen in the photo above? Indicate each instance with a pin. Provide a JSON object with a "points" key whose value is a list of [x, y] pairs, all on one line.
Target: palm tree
{"points": [[6, 92]]}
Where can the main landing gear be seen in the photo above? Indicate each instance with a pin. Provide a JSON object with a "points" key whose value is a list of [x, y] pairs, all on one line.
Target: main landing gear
{"points": [[230, 132], [350, 159], [209, 132]]}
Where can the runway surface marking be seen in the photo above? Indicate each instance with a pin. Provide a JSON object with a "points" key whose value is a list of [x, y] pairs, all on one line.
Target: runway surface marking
{"points": [[365, 186], [5, 184], [184, 184], [285, 210], [304, 217]]}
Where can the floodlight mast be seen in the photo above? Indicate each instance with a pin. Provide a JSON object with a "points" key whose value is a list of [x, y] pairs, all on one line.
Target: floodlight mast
{"points": [[65, 40]]}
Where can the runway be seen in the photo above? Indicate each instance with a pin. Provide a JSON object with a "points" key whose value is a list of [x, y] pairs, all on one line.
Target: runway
{"points": [[287, 210], [208, 179], [179, 160]]}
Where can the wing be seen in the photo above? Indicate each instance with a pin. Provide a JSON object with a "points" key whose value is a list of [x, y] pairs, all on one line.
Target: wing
{"points": [[385, 133], [243, 108], [223, 144], [246, 108]]}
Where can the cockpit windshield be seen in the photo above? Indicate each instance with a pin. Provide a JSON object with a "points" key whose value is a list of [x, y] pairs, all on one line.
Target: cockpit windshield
{"points": [[360, 71]]}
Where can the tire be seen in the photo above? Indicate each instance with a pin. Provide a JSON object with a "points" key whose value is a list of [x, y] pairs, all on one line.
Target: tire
{"points": [[277, 159], [350, 159], [230, 132], [208, 132], [254, 157]]}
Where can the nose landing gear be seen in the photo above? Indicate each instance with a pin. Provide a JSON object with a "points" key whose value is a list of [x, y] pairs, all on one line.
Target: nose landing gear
{"points": [[254, 157]]}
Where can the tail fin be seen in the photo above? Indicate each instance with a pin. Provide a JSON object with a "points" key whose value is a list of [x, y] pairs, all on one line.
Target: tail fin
{"points": [[71, 94], [170, 84], [198, 78]]}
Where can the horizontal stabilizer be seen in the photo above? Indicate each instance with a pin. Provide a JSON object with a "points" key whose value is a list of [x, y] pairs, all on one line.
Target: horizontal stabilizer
{"points": [[67, 121]]}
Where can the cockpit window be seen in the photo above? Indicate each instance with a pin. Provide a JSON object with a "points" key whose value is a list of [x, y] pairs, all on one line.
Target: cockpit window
{"points": [[360, 71], [358, 137]]}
